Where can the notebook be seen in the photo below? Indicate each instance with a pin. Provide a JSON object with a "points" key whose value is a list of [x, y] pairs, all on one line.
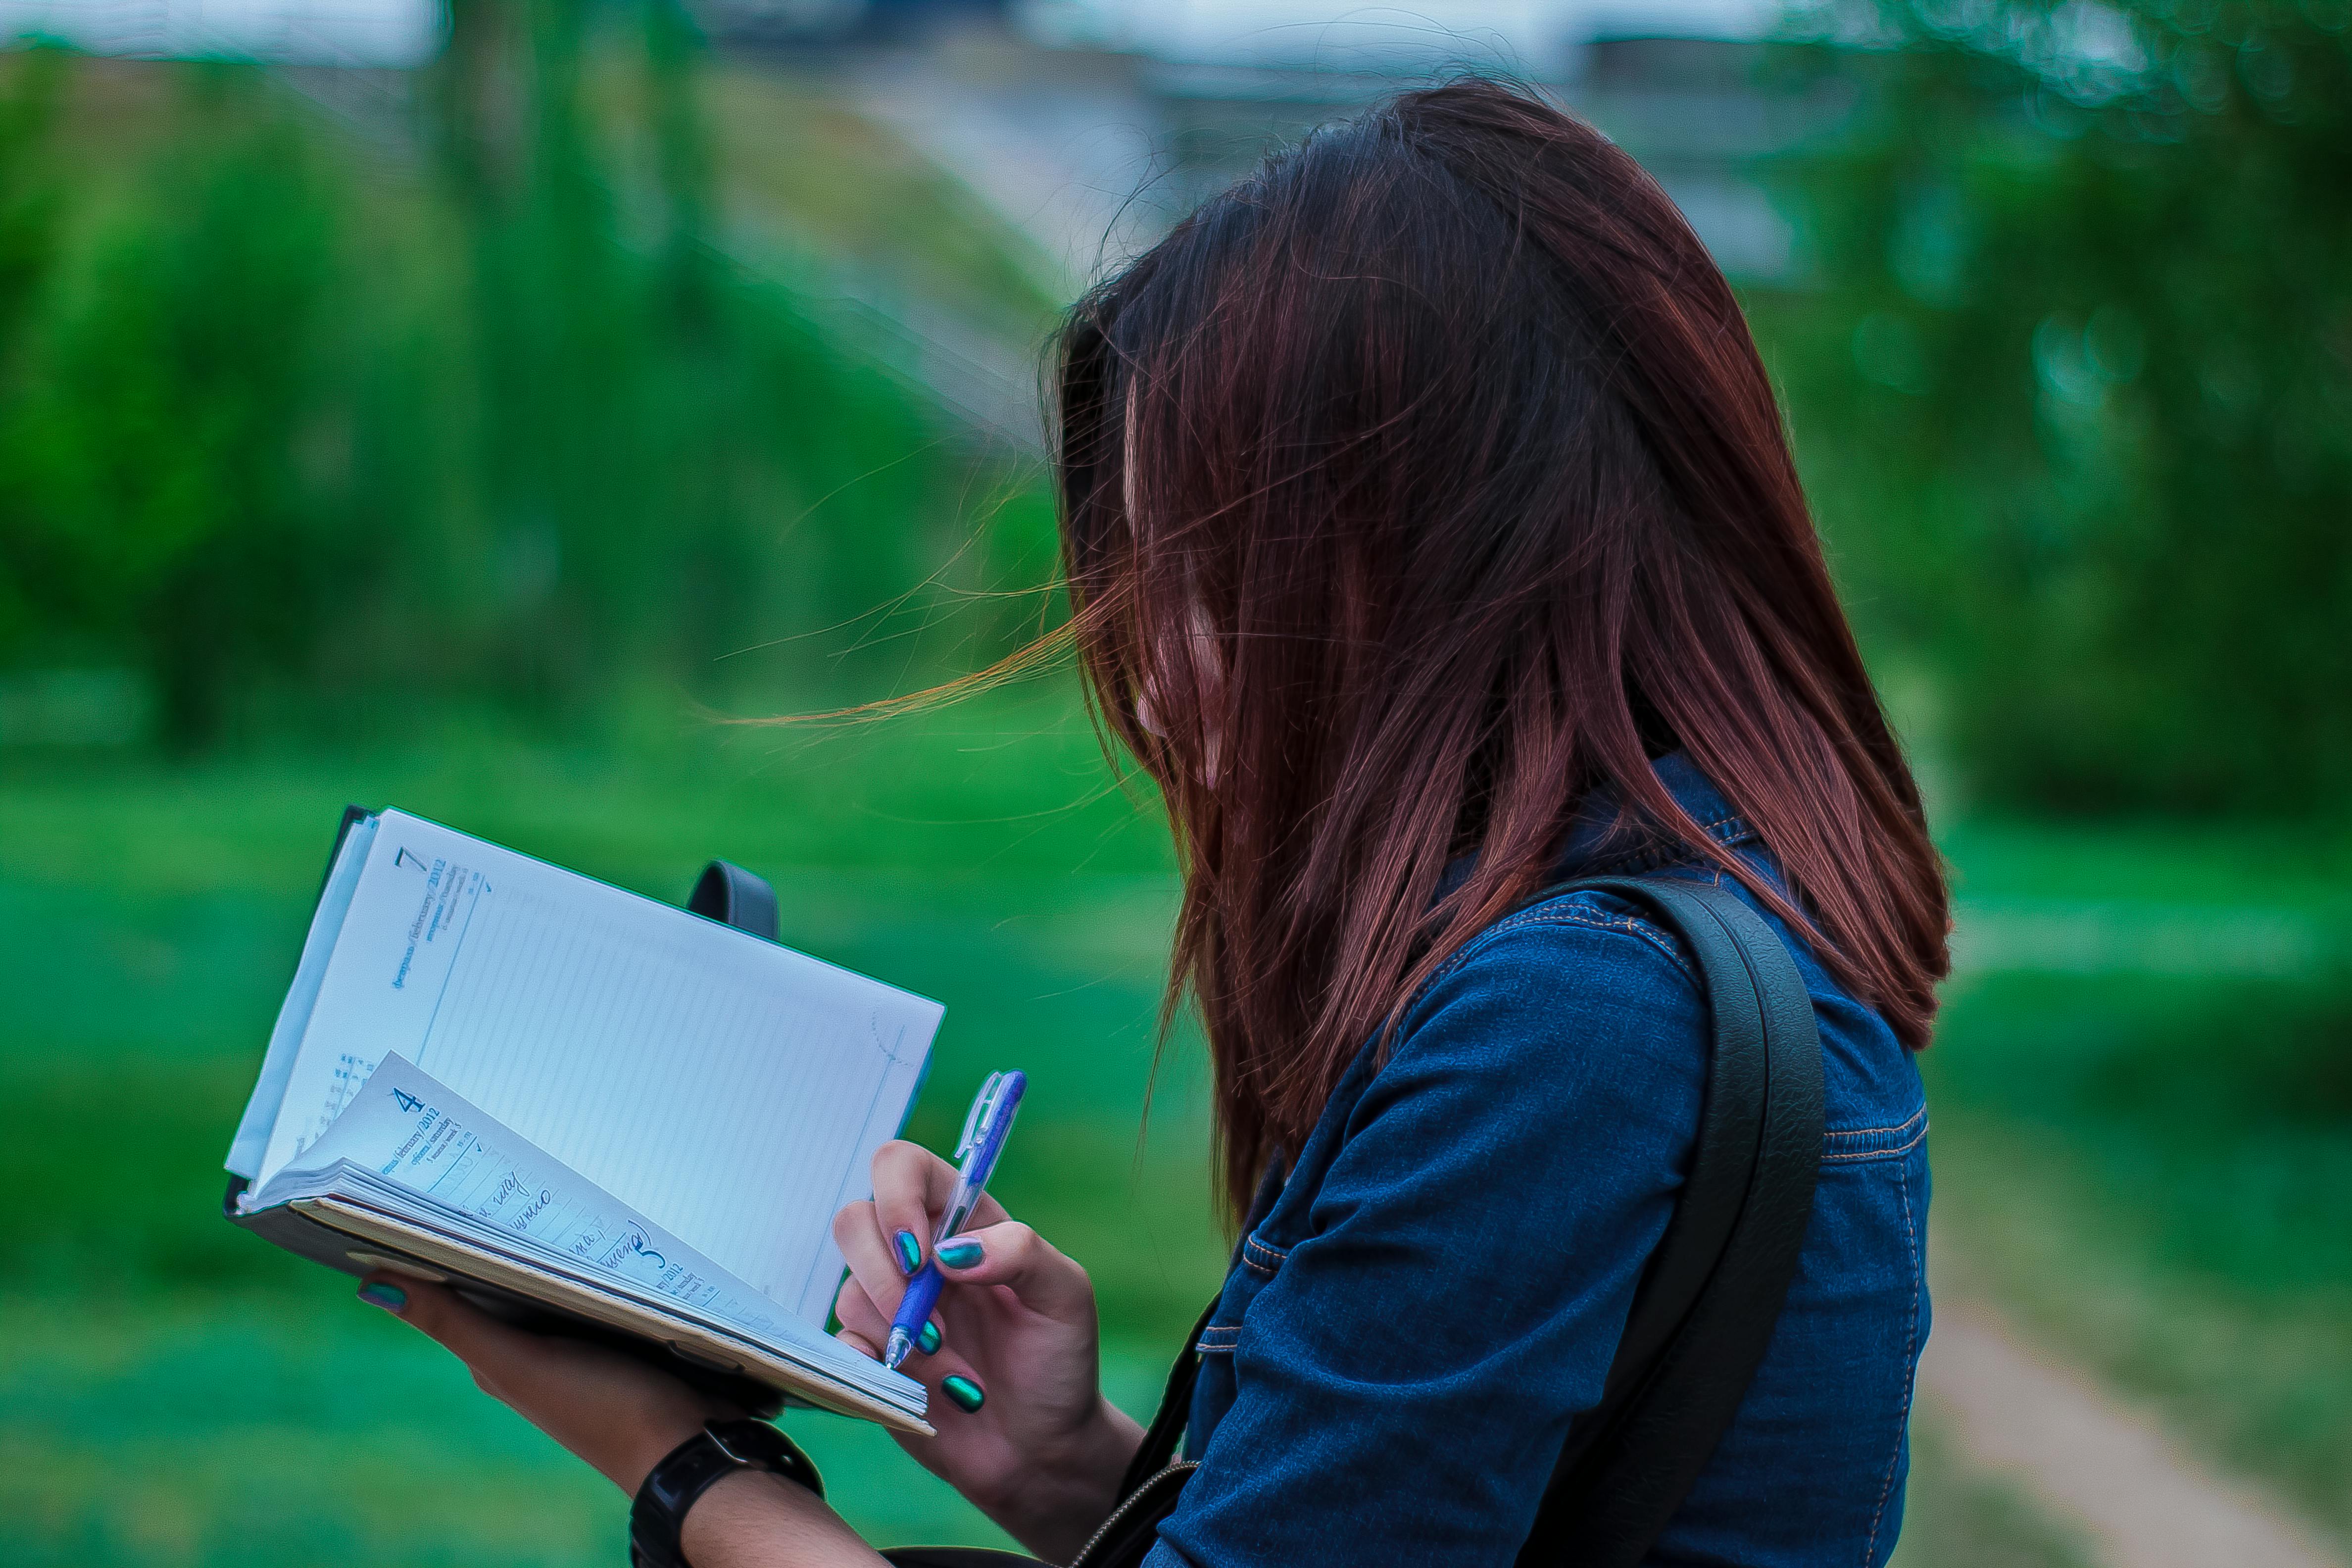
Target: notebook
{"points": [[571, 1100]]}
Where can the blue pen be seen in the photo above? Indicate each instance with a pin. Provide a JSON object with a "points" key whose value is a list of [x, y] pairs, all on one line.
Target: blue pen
{"points": [[984, 1130]]}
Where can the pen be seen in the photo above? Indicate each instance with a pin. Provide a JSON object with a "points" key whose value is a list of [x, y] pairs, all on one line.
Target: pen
{"points": [[984, 1128]]}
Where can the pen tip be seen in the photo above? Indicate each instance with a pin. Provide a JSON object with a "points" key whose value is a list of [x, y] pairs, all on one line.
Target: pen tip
{"points": [[895, 1351]]}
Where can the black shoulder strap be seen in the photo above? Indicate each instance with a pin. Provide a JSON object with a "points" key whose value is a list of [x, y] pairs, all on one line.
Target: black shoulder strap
{"points": [[1167, 1427], [1709, 1300], [1707, 1306]]}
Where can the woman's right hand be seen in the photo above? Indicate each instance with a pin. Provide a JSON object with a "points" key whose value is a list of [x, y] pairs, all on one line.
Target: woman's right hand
{"points": [[1024, 1430]]}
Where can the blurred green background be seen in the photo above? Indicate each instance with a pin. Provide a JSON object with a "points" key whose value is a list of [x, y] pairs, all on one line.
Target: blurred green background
{"points": [[486, 441]]}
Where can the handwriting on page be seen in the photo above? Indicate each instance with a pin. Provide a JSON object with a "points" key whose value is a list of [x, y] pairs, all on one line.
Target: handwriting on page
{"points": [[412, 1131]]}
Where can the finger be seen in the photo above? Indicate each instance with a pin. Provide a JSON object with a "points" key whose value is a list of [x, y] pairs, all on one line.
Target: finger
{"points": [[964, 1392], [859, 1313], [871, 1267], [470, 1335], [861, 1317], [912, 1187], [1013, 1255], [948, 1376], [846, 1301], [860, 1344]]}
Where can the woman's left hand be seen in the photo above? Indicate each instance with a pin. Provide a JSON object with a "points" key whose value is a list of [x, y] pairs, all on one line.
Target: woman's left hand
{"points": [[619, 1414], [623, 1418]]}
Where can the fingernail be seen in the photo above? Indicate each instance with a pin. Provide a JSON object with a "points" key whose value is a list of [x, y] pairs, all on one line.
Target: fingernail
{"points": [[928, 1340], [964, 1392], [961, 1255], [376, 1293], [910, 1252]]}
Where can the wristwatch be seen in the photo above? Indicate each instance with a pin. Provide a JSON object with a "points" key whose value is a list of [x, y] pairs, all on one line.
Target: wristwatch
{"points": [[693, 1468]]}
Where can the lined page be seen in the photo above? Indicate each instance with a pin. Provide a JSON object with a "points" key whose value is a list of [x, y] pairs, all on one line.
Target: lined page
{"points": [[252, 1141], [731, 1090]]}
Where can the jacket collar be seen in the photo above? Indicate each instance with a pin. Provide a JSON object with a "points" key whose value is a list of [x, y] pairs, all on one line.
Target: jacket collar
{"points": [[1602, 841], [1599, 844]]}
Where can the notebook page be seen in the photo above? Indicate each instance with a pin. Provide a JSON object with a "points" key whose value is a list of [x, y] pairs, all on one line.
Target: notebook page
{"points": [[245, 1151], [413, 1133], [410, 1148], [731, 1091]]}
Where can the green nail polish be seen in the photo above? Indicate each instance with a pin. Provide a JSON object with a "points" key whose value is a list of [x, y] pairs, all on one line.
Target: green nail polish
{"points": [[961, 1255], [376, 1293], [910, 1252], [928, 1340], [964, 1392]]}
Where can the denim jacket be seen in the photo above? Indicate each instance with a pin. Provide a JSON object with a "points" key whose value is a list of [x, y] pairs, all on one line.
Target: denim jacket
{"points": [[1425, 1302]]}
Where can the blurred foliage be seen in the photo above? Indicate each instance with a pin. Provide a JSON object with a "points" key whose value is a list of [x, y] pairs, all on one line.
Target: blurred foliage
{"points": [[473, 406], [297, 411], [2074, 389]]}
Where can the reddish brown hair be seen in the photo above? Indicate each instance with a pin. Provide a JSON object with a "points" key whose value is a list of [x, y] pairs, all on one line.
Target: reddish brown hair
{"points": [[1421, 485]]}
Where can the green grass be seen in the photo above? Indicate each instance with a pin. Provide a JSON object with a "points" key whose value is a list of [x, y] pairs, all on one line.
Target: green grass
{"points": [[2157, 1172], [2155, 1169], [2143, 1122], [178, 1392]]}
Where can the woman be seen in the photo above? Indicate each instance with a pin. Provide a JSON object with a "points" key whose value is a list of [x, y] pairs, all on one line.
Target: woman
{"points": [[1432, 536]]}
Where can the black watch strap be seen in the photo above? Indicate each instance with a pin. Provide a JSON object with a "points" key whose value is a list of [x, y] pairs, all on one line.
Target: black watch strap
{"points": [[693, 1468]]}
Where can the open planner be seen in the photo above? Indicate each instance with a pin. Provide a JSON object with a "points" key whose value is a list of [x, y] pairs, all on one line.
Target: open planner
{"points": [[585, 1109]]}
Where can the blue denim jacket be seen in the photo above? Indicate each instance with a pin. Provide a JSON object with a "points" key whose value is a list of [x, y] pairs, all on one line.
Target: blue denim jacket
{"points": [[1434, 1292]]}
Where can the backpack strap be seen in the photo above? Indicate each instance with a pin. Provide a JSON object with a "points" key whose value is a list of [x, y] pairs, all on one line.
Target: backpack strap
{"points": [[1167, 1426], [1711, 1296]]}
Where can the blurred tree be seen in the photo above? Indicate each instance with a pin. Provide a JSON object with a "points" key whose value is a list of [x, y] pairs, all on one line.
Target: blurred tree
{"points": [[169, 446], [2075, 392], [656, 428], [282, 415], [29, 202]]}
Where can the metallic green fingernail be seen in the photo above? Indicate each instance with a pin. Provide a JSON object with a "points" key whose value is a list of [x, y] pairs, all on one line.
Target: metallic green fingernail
{"points": [[376, 1293], [928, 1340], [961, 1255], [910, 1252], [964, 1392]]}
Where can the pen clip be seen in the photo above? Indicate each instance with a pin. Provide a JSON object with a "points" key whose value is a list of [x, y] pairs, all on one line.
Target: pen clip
{"points": [[983, 1112]]}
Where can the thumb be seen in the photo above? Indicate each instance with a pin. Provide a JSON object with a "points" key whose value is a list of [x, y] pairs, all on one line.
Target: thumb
{"points": [[1011, 1254]]}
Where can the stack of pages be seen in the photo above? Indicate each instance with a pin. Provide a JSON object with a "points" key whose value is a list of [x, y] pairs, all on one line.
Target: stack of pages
{"points": [[552, 1092]]}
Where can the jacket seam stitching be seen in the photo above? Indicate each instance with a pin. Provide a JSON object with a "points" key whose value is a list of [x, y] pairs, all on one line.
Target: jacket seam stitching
{"points": [[1911, 1373], [1544, 914], [1627, 924], [1887, 1153], [1902, 1126]]}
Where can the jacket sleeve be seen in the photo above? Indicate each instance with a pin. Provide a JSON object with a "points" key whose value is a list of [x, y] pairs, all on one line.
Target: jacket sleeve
{"points": [[1404, 1382]]}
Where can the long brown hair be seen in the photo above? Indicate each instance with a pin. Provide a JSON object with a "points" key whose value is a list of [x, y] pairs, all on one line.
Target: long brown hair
{"points": [[1414, 489]]}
